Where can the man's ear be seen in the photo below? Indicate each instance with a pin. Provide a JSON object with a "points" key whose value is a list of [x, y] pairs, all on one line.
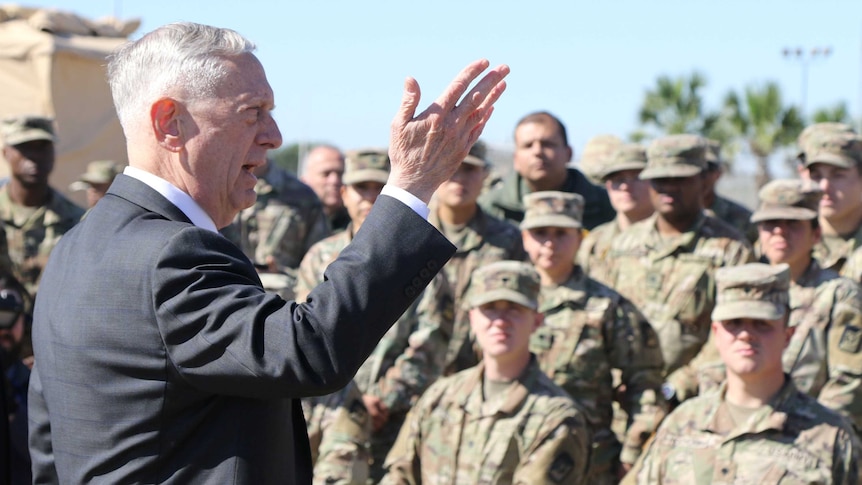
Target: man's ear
{"points": [[165, 122]]}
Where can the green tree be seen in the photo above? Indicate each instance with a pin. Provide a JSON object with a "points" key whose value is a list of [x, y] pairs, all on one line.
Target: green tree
{"points": [[676, 106], [763, 122], [837, 113]]}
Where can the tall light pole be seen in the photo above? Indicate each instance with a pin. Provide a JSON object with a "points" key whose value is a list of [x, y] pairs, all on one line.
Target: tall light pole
{"points": [[804, 57]]}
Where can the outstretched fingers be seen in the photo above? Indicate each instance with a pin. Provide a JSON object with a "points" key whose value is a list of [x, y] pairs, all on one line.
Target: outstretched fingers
{"points": [[450, 96], [485, 93], [409, 103]]}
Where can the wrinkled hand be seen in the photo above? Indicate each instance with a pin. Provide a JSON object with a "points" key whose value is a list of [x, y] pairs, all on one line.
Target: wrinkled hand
{"points": [[426, 149], [377, 410]]}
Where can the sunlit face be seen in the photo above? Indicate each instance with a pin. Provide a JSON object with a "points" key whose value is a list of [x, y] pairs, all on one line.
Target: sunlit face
{"points": [[503, 328], [541, 154], [677, 198], [552, 248], [323, 170], [628, 193], [463, 187], [842, 190], [226, 137], [30, 163], [751, 347], [358, 198], [787, 241]]}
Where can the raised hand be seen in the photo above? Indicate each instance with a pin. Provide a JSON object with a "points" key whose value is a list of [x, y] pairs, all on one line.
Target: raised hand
{"points": [[426, 149]]}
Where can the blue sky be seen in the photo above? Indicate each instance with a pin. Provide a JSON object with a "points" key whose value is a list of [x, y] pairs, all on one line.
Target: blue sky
{"points": [[337, 67]]}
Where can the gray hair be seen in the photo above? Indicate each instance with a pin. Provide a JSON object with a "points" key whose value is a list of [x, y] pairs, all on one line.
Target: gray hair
{"points": [[181, 58]]}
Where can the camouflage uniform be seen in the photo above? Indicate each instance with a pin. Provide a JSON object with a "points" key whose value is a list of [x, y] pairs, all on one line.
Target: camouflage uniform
{"points": [[789, 439], [338, 431], [735, 215], [671, 279], [671, 282], [842, 150], [588, 330], [505, 200], [285, 221], [32, 233], [443, 328], [823, 357], [535, 435], [793, 439], [593, 253]]}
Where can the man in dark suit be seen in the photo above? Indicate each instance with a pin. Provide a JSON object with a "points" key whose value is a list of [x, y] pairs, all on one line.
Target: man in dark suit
{"points": [[159, 357]]}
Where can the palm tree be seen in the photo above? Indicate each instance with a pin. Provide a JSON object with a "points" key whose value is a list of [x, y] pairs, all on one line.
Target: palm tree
{"points": [[764, 122], [837, 113], [675, 105]]}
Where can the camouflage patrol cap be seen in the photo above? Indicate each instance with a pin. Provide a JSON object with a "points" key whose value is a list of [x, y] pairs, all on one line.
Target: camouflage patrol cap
{"points": [[552, 208], [629, 156], [791, 199], [753, 290], [818, 129], [675, 156], [839, 149], [513, 281], [101, 172], [597, 154], [366, 165], [21, 129]]}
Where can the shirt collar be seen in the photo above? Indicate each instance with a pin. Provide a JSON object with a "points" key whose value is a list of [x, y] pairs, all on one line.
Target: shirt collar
{"points": [[182, 200]]}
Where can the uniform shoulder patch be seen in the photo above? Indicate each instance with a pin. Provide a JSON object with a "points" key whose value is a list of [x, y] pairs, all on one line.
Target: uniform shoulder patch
{"points": [[851, 339], [561, 467]]}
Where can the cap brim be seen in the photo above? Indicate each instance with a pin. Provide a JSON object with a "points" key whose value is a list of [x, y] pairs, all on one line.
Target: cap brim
{"points": [[783, 213], [674, 171], [831, 159], [29, 135], [550, 221], [621, 168], [365, 176], [471, 160], [502, 294], [78, 185], [760, 310]]}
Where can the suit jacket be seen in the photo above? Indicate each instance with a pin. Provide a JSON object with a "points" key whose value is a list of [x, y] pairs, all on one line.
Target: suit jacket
{"points": [[160, 359]]}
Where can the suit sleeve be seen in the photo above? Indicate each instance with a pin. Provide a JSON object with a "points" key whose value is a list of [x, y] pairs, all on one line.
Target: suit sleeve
{"points": [[223, 334]]}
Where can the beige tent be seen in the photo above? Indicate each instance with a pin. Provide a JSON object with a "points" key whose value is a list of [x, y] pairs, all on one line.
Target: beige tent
{"points": [[52, 63]]}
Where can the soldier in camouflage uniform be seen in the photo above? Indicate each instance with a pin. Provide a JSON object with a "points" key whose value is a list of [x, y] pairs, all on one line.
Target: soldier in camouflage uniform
{"points": [[97, 179], [814, 131], [286, 219], [758, 427], [629, 196], [542, 153], [720, 207], [665, 264], [339, 430], [589, 329], [825, 309], [502, 421], [833, 161], [34, 214]]}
